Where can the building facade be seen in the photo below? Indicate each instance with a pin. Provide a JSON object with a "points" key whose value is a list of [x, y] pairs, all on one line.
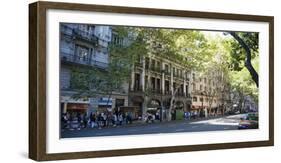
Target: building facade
{"points": [[83, 46], [210, 93], [153, 82]]}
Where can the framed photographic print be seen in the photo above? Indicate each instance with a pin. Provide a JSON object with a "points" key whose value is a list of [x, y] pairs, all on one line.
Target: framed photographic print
{"points": [[112, 81]]}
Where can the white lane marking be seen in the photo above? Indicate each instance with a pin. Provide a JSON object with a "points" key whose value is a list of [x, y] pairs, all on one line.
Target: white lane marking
{"points": [[218, 121]]}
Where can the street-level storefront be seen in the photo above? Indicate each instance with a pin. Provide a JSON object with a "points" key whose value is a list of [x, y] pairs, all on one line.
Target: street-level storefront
{"points": [[104, 105], [77, 107], [133, 111], [137, 103], [70, 105]]}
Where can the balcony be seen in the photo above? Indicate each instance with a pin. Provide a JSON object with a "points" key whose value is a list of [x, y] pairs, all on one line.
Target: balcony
{"points": [[70, 58], [65, 29], [156, 91], [137, 88], [167, 73], [85, 36], [156, 69], [178, 76]]}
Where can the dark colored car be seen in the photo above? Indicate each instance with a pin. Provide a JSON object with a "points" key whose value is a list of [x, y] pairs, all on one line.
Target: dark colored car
{"points": [[250, 121]]}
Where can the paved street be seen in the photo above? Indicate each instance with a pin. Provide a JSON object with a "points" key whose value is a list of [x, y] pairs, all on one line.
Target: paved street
{"points": [[212, 124]]}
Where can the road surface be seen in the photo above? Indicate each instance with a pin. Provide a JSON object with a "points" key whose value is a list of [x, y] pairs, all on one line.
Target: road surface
{"points": [[212, 124]]}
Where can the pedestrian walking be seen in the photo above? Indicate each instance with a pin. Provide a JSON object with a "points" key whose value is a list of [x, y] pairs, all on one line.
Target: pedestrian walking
{"points": [[85, 121], [114, 120], [120, 119], [100, 120], [93, 120]]}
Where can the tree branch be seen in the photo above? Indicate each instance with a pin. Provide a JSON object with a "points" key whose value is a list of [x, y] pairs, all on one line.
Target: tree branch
{"points": [[248, 63]]}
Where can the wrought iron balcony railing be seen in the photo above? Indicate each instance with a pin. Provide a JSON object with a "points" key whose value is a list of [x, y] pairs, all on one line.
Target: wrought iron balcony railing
{"points": [[156, 69], [85, 35], [66, 57]]}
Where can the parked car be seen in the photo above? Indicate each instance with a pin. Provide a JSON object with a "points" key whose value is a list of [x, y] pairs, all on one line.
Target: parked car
{"points": [[250, 121]]}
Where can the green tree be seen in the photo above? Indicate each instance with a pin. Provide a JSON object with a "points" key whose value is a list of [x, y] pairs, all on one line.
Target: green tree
{"points": [[245, 49], [243, 86], [216, 70]]}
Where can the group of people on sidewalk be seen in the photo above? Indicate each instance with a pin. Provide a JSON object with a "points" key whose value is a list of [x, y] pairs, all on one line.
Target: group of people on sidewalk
{"points": [[76, 120], [95, 119]]}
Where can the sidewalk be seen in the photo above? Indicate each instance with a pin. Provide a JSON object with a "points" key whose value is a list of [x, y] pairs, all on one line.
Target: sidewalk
{"points": [[141, 123]]}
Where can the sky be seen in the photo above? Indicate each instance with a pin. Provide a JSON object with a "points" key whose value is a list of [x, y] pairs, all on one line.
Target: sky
{"points": [[214, 34]]}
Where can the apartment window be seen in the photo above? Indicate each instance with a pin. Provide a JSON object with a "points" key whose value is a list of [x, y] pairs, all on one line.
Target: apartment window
{"points": [[158, 85], [205, 88], [215, 101], [82, 53], [166, 68], [158, 65], [174, 85], [153, 83], [167, 85], [193, 76], [193, 86], [116, 39], [137, 81], [201, 87], [200, 79], [181, 89], [84, 27], [201, 99], [194, 99], [205, 80], [153, 64], [146, 63]]}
